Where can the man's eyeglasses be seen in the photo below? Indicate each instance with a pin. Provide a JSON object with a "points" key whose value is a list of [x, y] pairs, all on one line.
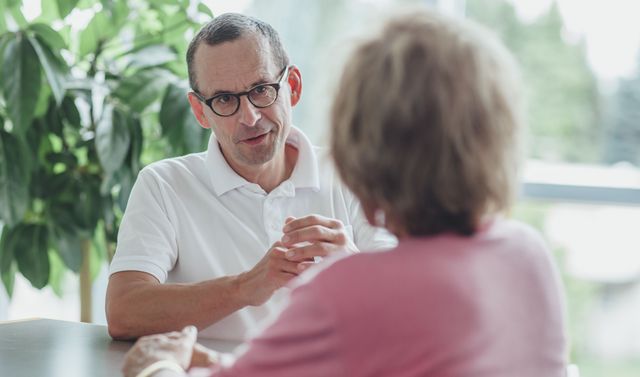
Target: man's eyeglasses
{"points": [[261, 96]]}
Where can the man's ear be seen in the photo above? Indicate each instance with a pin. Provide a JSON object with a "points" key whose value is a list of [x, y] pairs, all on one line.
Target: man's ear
{"points": [[197, 107], [295, 83]]}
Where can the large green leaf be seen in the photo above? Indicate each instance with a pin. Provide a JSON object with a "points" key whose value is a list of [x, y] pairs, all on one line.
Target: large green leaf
{"points": [[56, 118], [7, 265], [155, 27], [66, 158], [20, 74], [143, 88], [38, 188], [86, 4], [109, 181], [12, 3], [36, 137], [203, 8], [4, 39], [40, 146], [178, 123], [53, 119], [14, 178], [66, 238], [49, 12], [65, 7], [54, 69], [152, 56], [71, 113], [194, 137], [56, 274], [30, 249], [98, 30], [43, 103], [88, 205], [172, 109], [59, 186], [112, 139], [118, 11], [179, 24], [109, 221], [99, 243], [135, 151], [3, 24], [49, 36], [126, 179], [159, 3], [16, 14]]}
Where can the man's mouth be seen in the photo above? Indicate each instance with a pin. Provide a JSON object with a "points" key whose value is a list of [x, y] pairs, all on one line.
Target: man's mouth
{"points": [[256, 140]]}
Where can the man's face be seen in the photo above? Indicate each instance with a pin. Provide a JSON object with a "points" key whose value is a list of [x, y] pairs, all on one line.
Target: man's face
{"points": [[252, 136]]}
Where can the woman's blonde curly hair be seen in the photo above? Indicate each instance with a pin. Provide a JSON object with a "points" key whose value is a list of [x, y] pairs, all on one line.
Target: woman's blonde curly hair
{"points": [[425, 124]]}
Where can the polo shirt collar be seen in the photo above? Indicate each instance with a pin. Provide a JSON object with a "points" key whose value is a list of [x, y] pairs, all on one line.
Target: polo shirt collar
{"points": [[305, 174]]}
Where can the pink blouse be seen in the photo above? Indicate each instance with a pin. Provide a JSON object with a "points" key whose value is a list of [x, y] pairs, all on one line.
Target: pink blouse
{"points": [[486, 305]]}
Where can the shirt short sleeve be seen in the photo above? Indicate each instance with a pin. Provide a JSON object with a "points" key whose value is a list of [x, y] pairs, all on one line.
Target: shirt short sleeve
{"points": [[147, 238]]}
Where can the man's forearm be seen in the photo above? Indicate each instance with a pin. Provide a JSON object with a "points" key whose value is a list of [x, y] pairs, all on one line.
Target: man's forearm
{"points": [[140, 308]]}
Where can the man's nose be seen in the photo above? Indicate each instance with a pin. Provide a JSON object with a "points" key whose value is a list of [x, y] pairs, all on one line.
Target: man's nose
{"points": [[249, 114]]}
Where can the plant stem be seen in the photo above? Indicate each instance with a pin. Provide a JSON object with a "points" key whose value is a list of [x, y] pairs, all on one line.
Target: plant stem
{"points": [[93, 69], [85, 282]]}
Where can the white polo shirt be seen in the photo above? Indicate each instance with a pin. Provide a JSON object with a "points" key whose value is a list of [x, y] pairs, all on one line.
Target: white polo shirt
{"points": [[192, 218]]}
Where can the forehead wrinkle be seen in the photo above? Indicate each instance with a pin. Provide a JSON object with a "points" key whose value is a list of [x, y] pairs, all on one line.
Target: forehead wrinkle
{"points": [[261, 78], [251, 65]]}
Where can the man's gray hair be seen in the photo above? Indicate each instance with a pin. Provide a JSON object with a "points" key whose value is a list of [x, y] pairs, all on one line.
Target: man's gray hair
{"points": [[229, 27]]}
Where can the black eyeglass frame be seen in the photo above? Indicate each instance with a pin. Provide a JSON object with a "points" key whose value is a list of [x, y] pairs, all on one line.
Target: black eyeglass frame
{"points": [[275, 85]]}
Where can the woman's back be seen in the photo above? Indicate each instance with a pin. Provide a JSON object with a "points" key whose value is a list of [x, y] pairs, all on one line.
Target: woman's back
{"points": [[487, 305]]}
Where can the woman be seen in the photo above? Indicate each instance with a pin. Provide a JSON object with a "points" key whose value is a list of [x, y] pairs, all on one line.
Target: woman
{"points": [[425, 130]]}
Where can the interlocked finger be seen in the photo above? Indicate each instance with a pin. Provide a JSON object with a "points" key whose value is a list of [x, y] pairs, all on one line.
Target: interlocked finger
{"points": [[311, 220], [308, 252], [314, 233]]}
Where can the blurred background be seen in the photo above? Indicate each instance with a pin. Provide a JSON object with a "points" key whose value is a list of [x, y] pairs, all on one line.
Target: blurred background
{"points": [[92, 90]]}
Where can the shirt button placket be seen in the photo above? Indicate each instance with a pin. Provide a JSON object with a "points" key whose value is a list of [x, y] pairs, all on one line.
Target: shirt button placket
{"points": [[271, 219]]}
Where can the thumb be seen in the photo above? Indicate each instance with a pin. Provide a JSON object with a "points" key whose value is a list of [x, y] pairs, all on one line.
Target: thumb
{"points": [[190, 333]]}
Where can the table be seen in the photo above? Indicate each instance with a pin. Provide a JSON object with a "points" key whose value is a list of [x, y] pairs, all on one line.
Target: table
{"points": [[52, 348]]}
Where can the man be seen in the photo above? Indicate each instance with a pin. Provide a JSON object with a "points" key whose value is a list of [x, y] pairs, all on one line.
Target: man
{"points": [[208, 238]]}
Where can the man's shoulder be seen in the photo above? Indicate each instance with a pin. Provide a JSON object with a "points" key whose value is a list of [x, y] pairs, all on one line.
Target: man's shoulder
{"points": [[323, 156], [176, 167]]}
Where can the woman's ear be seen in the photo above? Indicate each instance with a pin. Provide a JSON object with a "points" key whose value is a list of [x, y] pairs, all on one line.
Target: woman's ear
{"points": [[295, 84]]}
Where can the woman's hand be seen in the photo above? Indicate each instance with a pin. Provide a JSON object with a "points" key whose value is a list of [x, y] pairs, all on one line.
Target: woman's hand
{"points": [[178, 347]]}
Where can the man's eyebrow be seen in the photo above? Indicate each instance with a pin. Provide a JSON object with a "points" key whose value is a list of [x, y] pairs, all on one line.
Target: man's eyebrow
{"points": [[253, 85]]}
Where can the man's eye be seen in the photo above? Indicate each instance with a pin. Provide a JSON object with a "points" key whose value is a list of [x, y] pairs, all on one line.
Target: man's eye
{"points": [[260, 90], [224, 99]]}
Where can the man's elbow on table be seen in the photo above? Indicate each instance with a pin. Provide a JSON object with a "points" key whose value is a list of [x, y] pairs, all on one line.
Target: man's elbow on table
{"points": [[120, 301], [118, 332], [118, 322]]}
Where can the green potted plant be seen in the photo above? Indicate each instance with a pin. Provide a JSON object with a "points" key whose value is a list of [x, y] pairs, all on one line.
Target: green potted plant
{"points": [[82, 109]]}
